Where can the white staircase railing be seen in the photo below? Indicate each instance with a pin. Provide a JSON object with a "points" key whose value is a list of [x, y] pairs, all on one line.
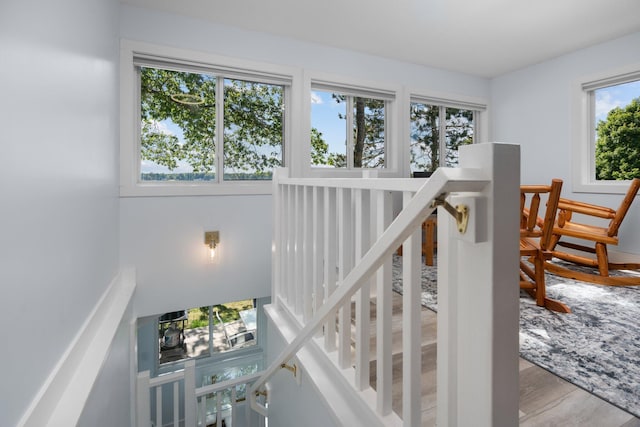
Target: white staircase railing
{"points": [[333, 236], [190, 406]]}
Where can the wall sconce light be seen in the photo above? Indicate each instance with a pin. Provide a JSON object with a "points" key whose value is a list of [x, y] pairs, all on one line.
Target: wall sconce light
{"points": [[212, 240]]}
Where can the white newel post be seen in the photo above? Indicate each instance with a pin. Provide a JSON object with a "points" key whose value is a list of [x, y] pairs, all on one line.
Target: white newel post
{"points": [[478, 311], [143, 399], [190, 403]]}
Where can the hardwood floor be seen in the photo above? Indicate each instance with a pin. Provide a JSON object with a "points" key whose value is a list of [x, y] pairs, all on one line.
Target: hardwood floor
{"points": [[545, 399]]}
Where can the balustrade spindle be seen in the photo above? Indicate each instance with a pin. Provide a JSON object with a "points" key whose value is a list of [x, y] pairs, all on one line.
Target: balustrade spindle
{"points": [[345, 228], [363, 297], [383, 312], [411, 325], [330, 249], [307, 248]]}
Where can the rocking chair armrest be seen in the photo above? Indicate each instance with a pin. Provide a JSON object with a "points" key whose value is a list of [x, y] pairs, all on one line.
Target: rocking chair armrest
{"points": [[586, 209]]}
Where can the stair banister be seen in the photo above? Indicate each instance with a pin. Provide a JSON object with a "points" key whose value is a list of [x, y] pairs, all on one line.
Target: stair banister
{"points": [[444, 180]]}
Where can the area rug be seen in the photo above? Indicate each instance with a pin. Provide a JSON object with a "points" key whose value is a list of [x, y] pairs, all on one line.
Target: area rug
{"points": [[596, 347]]}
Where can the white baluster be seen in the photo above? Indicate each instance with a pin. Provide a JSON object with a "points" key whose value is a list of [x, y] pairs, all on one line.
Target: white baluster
{"points": [[159, 405], [363, 299], [411, 325], [330, 235], [219, 409], [234, 406], [383, 316], [143, 412], [299, 252], [203, 410], [345, 228], [291, 242], [318, 251], [190, 393], [176, 403], [307, 248]]}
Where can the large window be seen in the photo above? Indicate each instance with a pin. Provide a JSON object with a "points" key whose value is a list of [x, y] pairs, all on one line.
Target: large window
{"points": [[194, 123], [436, 133], [191, 129], [607, 132], [203, 331], [348, 128]]}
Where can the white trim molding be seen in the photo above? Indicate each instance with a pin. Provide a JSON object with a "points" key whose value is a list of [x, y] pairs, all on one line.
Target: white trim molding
{"points": [[62, 397]]}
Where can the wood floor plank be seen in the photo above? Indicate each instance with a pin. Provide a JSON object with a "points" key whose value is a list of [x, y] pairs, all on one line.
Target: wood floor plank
{"points": [[545, 399]]}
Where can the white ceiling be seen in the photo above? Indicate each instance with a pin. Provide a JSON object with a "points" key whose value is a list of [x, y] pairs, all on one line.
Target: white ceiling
{"points": [[480, 37]]}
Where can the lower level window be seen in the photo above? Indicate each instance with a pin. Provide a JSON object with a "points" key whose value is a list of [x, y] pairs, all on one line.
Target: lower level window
{"points": [[203, 331]]}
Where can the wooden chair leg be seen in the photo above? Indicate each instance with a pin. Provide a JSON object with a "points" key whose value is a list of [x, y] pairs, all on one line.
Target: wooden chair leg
{"points": [[538, 263], [428, 243], [603, 259]]}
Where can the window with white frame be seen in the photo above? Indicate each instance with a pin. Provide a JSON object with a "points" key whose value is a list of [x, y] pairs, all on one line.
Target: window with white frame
{"points": [[207, 125], [204, 331], [349, 127], [437, 130], [194, 123], [607, 132], [615, 128]]}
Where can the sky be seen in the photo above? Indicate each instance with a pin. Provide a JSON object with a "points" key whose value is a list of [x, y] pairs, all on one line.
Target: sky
{"points": [[324, 117], [615, 96]]}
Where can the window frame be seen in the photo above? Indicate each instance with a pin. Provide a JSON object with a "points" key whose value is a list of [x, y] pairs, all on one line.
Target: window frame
{"points": [[390, 93], [477, 106], [215, 357], [584, 132], [132, 54]]}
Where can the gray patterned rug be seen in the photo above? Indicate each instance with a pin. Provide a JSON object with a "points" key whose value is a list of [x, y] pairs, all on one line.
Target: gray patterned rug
{"points": [[596, 347]]}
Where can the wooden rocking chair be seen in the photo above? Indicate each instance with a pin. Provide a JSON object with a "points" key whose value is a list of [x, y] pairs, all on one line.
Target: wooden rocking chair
{"points": [[591, 247], [535, 237]]}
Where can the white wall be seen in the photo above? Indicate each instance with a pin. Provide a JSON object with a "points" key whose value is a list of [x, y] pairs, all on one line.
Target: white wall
{"points": [[163, 236], [533, 107], [58, 181], [178, 31], [293, 402]]}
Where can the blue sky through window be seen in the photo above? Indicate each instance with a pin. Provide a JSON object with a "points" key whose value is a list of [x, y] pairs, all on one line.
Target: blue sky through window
{"points": [[611, 97], [324, 117]]}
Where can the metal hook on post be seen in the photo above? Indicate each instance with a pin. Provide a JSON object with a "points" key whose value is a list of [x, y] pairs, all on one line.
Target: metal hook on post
{"points": [[460, 212]]}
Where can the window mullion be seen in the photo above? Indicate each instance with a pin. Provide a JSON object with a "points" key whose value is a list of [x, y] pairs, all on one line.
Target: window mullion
{"points": [[350, 142], [219, 137], [387, 132], [442, 134], [211, 330], [476, 126]]}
